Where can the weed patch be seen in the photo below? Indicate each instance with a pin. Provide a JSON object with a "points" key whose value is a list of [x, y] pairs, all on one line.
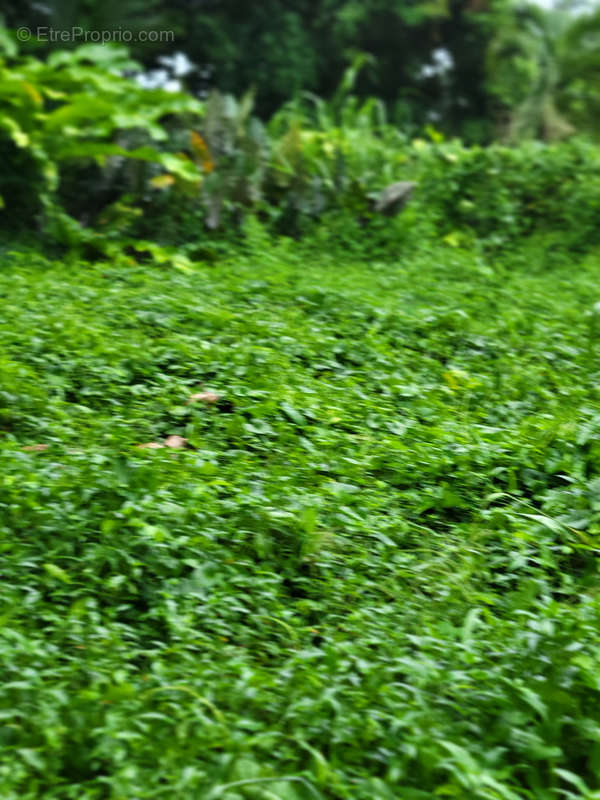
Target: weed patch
{"points": [[361, 561]]}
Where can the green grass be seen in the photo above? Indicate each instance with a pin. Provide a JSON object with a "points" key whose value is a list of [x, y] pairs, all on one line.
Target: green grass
{"points": [[372, 574]]}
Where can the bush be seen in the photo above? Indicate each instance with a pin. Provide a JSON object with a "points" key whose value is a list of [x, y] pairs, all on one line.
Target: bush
{"points": [[131, 163], [499, 193], [77, 135]]}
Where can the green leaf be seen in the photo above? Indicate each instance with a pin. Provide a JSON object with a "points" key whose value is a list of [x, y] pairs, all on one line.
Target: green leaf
{"points": [[57, 572], [16, 133], [293, 414], [547, 522]]}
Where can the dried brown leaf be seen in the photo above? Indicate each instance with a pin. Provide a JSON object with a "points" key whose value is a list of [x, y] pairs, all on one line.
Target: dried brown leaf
{"points": [[175, 441], [204, 397], [36, 448]]}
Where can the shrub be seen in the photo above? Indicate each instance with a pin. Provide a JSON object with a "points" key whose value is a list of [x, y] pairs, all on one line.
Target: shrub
{"points": [[77, 135], [130, 163], [500, 193]]}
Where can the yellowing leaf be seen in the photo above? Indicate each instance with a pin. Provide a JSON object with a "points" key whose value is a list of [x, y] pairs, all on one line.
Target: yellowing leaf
{"points": [[201, 152], [162, 181], [456, 378], [33, 93]]}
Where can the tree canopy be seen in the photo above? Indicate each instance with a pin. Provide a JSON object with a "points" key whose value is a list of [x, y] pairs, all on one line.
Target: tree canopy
{"points": [[472, 68]]}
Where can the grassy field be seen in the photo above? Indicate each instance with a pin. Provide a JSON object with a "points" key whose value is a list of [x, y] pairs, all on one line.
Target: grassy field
{"points": [[370, 572]]}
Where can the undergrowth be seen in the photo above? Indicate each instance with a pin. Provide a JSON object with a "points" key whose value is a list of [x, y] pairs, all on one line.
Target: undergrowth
{"points": [[369, 569]]}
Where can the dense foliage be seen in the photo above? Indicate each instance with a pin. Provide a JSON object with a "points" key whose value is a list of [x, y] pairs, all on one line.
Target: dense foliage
{"points": [[282, 48], [299, 499], [477, 69], [372, 571], [62, 120], [544, 69], [93, 159]]}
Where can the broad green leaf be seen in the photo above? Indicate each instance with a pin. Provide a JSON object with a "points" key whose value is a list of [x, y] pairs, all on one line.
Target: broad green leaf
{"points": [[57, 572]]}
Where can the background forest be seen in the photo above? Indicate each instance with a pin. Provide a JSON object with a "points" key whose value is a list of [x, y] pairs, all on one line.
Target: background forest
{"points": [[291, 110], [467, 66]]}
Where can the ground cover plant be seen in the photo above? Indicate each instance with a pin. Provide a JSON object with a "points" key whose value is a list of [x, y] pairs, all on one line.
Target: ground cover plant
{"points": [[360, 558]]}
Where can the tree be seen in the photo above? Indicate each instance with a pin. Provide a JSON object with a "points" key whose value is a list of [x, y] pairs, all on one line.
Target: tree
{"points": [[427, 65], [544, 71]]}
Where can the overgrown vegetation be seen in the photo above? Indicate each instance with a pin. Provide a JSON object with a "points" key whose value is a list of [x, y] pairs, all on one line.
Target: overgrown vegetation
{"points": [[298, 500], [96, 162], [370, 572]]}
